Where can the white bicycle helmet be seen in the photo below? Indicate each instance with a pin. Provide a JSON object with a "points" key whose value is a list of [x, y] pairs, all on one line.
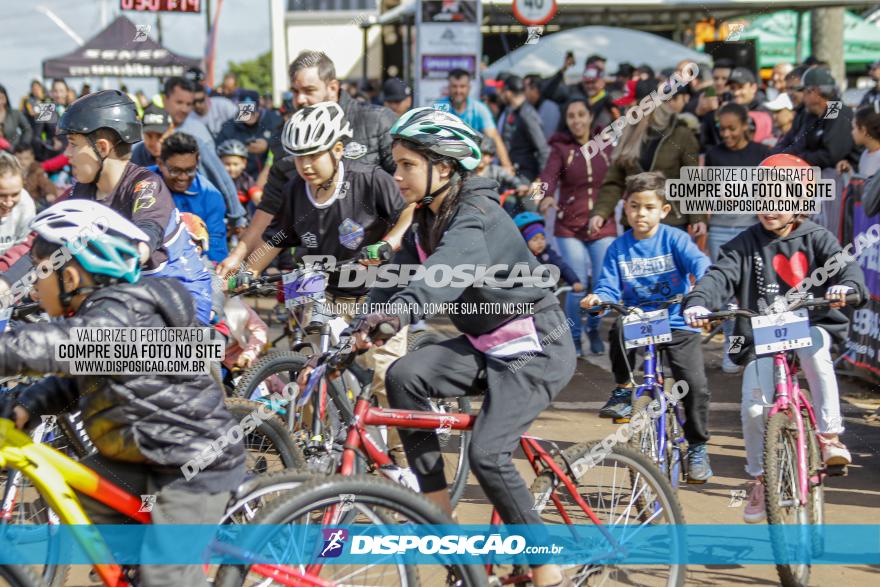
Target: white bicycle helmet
{"points": [[315, 129]]}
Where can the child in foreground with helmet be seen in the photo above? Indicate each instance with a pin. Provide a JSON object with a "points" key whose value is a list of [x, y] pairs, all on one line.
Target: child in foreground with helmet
{"points": [[458, 221], [101, 128], [531, 226], [145, 427], [340, 209], [758, 267]]}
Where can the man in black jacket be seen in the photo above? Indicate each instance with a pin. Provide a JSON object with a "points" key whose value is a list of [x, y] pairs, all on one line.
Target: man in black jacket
{"points": [[313, 80], [520, 127], [823, 136]]}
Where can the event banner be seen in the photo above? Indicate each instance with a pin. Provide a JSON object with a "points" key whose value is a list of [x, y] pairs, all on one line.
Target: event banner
{"points": [[864, 340]]}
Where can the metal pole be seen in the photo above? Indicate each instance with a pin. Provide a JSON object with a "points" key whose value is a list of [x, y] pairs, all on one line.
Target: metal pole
{"points": [[364, 55], [407, 36], [208, 16], [798, 36]]}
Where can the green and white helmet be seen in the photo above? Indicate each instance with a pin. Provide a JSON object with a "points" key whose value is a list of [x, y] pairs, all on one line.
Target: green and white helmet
{"points": [[440, 132]]}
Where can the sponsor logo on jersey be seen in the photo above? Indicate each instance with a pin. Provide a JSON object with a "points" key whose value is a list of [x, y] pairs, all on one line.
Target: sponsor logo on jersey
{"points": [[144, 195], [310, 240], [351, 234], [354, 150]]}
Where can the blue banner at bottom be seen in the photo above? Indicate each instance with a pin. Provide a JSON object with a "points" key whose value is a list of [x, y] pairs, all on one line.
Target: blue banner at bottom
{"points": [[459, 544]]}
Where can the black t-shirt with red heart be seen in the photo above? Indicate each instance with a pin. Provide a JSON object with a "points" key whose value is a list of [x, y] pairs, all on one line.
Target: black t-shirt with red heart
{"points": [[758, 266]]}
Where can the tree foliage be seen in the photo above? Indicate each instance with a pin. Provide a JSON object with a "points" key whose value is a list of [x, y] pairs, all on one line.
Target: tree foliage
{"points": [[254, 74]]}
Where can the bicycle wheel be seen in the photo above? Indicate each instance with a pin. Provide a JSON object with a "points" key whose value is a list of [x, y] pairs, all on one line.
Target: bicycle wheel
{"points": [[269, 447], [254, 493], [454, 444], [354, 500], [782, 496], [624, 490], [16, 576], [283, 365], [22, 505]]}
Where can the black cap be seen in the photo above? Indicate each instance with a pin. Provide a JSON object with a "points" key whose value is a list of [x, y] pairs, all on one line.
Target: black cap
{"points": [[515, 84], [394, 90], [741, 76], [106, 109], [817, 76], [156, 119], [624, 70], [644, 87]]}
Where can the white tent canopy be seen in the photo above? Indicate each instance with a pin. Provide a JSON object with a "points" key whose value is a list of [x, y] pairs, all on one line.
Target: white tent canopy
{"points": [[617, 44]]}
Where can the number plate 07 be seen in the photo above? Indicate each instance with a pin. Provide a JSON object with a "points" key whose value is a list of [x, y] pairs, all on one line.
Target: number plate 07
{"points": [[781, 332]]}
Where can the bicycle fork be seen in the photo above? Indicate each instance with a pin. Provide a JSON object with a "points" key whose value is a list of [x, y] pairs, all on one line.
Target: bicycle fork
{"points": [[786, 381]]}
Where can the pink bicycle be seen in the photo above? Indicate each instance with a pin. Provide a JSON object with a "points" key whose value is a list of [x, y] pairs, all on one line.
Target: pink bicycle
{"points": [[794, 472]]}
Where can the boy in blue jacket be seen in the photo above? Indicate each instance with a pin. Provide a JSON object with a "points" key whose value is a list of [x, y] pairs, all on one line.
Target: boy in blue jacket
{"points": [[650, 263]]}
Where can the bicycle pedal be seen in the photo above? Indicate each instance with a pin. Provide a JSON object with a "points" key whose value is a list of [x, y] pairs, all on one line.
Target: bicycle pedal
{"points": [[621, 420], [837, 470]]}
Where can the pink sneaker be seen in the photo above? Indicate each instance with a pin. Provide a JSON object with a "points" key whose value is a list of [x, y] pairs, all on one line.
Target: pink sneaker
{"points": [[834, 452], [755, 512]]}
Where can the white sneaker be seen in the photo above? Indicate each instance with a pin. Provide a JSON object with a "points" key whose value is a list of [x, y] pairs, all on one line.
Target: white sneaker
{"points": [[755, 512], [729, 366], [834, 452]]}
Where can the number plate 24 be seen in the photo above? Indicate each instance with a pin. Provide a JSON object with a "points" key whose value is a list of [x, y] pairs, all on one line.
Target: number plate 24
{"points": [[647, 328]]}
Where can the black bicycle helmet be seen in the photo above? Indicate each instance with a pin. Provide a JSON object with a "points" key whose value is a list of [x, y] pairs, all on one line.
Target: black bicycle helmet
{"points": [[106, 109]]}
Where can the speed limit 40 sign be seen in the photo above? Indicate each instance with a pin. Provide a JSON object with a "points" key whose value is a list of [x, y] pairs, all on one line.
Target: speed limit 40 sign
{"points": [[534, 12]]}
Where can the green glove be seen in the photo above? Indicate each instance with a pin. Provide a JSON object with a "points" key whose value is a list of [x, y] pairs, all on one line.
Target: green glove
{"points": [[380, 251]]}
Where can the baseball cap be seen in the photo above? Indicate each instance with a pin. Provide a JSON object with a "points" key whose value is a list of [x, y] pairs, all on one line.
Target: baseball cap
{"points": [[781, 102], [741, 76], [394, 90], [156, 119], [248, 96], [817, 76]]}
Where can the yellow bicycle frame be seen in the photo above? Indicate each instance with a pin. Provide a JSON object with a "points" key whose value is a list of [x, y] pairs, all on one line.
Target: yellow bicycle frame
{"points": [[55, 477]]}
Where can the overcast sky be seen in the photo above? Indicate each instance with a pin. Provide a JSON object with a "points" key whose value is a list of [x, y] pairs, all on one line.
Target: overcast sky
{"points": [[27, 37]]}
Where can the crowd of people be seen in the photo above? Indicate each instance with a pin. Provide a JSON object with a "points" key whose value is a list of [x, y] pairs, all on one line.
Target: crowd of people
{"points": [[364, 176]]}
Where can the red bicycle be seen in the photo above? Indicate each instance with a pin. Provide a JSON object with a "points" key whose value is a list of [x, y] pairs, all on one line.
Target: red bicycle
{"points": [[611, 487]]}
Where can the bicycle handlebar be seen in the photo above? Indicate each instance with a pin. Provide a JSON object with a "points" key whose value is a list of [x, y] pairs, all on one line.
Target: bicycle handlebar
{"points": [[851, 298], [625, 310], [252, 285]]}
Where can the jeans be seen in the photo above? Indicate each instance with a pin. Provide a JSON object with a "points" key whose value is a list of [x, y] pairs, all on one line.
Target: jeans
{"points": [[721, 235], [685, 355], [578, 254], [758, 393]]}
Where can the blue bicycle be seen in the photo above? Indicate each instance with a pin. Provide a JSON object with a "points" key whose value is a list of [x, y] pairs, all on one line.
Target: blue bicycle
{"points": [[657, 421]]}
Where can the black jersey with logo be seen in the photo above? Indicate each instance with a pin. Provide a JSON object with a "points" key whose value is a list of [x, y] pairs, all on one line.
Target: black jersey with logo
{"points": [[364, 207]]}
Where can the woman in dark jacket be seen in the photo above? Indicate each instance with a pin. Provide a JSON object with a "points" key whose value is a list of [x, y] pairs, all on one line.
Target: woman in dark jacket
{"points": [[579, 179], [16, 128]]}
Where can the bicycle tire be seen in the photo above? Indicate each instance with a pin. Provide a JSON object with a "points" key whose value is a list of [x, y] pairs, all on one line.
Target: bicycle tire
{"points": [[19, 576], [273, 430], [580, 460], [271, 363], [257, 491], [461, 468], [817, 492], [781, 486], [371, 491]]}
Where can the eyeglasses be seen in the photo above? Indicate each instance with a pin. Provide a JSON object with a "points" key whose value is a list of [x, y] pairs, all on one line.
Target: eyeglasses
{"points": [[177, 172]]}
